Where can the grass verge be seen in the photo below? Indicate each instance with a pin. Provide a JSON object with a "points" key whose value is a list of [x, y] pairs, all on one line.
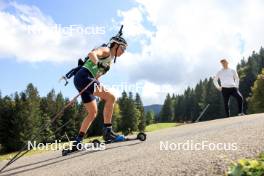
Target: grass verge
{"points": [[8, 156], [159, 126]]}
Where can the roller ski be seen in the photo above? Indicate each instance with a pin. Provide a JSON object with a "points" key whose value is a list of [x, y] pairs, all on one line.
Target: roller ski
{"points": [[109, 137]]}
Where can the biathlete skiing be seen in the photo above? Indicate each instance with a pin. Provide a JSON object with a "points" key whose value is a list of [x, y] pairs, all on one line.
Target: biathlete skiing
{"points": [[97, 63]]}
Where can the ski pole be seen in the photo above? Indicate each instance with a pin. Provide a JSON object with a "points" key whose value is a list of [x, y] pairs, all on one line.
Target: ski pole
{"points": [[19, 155], [25, 152]]}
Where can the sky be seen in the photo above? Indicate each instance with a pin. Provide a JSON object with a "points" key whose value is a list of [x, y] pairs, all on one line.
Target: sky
{"points": [[172, 44]]}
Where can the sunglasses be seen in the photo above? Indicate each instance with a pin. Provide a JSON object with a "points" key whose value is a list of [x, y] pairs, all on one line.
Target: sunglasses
{"points": [[123, 48]]}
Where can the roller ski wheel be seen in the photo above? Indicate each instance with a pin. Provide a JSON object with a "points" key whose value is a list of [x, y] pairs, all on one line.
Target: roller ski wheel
{"points": [[141, 136], [65, 152]]}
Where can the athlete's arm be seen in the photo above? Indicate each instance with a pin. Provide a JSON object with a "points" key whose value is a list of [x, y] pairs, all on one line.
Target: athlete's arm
{"points": [[98, 53], [216, 84], [236, 79]]}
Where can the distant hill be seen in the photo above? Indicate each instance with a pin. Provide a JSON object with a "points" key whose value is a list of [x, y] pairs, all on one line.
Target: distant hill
{"points": [[156, 108]]}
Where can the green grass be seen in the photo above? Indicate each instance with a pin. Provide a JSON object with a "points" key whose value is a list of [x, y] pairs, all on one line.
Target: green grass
{"points": [[159, 126], [8, 156]]}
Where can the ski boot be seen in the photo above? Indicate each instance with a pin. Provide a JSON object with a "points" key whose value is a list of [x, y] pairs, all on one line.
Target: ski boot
{"points": [[76, 144], [109, 136]]}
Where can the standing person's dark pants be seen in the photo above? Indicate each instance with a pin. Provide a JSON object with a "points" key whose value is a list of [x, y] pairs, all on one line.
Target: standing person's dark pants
{"points": [[227, 92]]}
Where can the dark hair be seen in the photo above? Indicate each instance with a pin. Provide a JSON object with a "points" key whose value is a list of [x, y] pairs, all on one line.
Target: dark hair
{"points": [[223, 60], [112, 45], [104, 45]]}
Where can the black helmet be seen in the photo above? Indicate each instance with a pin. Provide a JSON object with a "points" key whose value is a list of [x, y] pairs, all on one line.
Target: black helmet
{"points": [[119, 40]]}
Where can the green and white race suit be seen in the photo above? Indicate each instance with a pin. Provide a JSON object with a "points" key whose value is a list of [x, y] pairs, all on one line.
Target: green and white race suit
{"points": [[93, 68]]}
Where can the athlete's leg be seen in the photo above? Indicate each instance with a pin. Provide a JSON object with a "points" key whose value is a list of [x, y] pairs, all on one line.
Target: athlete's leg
{"points": [[81, 80], [239, 99], [91, 109], [109, 99], [226, 97]]}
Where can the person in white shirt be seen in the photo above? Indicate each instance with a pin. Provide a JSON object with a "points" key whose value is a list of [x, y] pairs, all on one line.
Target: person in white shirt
{"points": [[229, 86]]}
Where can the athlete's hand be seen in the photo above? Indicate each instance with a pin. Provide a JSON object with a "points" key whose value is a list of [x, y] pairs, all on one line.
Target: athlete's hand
{"points": [[220, 89], [80, 62], [103, 66]]}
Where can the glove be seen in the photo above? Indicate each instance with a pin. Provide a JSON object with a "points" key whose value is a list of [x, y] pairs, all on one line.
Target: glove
{"points": [[80, 62], [105, 67]]}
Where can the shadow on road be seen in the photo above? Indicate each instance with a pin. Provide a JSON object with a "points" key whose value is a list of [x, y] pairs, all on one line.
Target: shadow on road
{"points": [[63, 158]]}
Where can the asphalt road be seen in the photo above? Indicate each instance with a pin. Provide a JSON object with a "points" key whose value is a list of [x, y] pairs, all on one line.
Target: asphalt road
{"points": [[224, 140]]}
